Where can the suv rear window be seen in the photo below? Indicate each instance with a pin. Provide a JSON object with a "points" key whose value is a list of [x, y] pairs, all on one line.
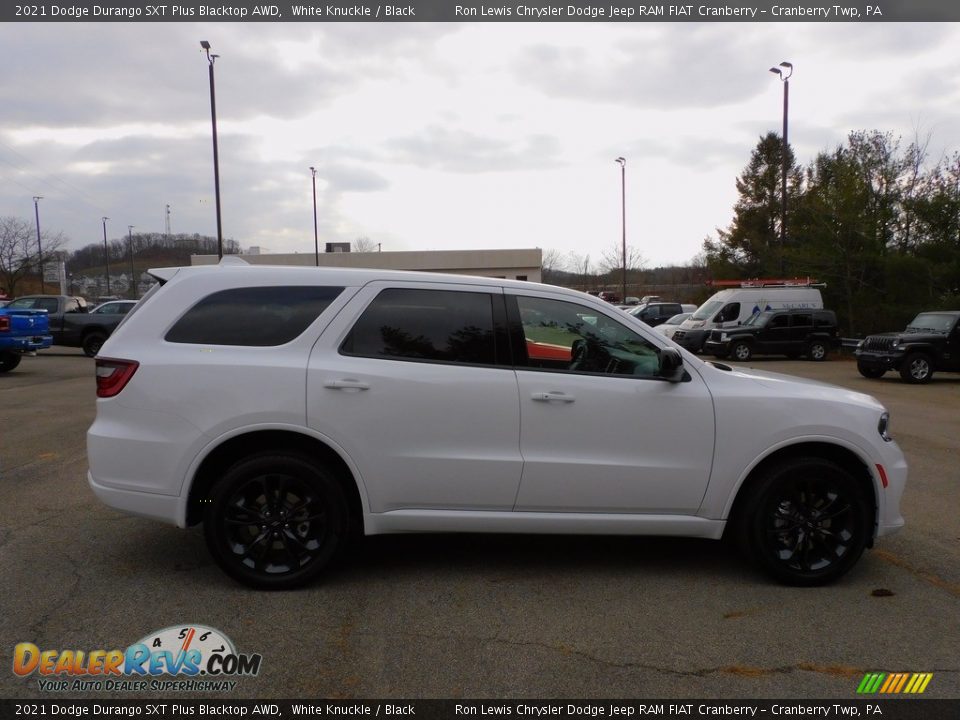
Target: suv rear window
{"points": [[433, 325], [253, 316]]}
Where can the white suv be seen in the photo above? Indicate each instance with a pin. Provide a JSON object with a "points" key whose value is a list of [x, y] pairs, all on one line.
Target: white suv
{"points": [[286, 408]]}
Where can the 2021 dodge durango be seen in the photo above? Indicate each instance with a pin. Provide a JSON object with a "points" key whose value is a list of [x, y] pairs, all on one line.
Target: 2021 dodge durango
{"points": [[286, 409]]}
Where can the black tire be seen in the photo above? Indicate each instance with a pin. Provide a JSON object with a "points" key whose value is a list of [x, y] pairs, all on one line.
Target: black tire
{"points": [[741, 351], [806, 522], [817, 350], [870, 372], [92, 343], [8, 361], [275, 520], [917, 368]]}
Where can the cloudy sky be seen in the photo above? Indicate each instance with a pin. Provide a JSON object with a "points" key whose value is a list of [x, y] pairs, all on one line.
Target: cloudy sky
{"points": [[442, 136]]}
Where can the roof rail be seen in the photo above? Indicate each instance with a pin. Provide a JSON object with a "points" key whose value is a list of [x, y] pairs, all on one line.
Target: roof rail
{"points": [[768, 282]]}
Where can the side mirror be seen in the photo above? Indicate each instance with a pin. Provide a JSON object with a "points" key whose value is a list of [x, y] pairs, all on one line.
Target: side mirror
{"points": [[671, 366]]}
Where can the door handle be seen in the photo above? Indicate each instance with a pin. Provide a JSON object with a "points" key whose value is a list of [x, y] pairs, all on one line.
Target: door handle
{"points": [[553, 397], [346, 384]]}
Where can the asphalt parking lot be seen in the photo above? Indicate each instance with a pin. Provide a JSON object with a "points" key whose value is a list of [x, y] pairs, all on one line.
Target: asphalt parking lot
{"points": [[482, 616]]}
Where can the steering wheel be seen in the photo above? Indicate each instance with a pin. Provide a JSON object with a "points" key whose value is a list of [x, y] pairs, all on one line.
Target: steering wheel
{"points": [[578, 354]]}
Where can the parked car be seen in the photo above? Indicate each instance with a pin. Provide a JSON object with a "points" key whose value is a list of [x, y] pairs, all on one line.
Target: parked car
{"points": [[793, 333], [669, 326], [22, 332], [930, 343], [655, 313], [286, 409], [734, 306], [72, 325]]}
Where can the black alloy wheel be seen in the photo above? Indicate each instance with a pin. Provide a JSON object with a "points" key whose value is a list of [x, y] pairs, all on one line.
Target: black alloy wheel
{"points": [[807, 522], [275, 521]]}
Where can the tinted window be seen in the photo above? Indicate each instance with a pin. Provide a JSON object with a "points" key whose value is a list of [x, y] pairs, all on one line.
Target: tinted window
{"points": [[802, 320], [779, 321], [257, 316], [435, 325], [569, 337], [730, 313]]}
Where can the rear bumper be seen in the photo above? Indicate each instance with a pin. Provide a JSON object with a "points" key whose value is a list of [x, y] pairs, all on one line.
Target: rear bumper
{"points": [[148, 505], [26, 343]]}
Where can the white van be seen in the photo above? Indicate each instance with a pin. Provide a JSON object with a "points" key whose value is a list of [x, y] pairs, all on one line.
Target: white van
{"points": [[729, 308]]}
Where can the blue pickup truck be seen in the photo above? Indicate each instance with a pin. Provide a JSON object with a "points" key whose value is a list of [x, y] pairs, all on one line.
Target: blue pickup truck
{"points": [[22, 331]]}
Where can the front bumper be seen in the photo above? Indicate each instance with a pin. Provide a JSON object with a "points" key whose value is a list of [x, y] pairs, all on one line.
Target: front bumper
{"points": [[718, 348], [878, 361], [691, 340]]}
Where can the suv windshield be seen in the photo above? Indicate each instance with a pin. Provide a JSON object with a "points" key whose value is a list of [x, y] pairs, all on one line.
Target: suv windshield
{"points": [[931, 322], [758, 319]]}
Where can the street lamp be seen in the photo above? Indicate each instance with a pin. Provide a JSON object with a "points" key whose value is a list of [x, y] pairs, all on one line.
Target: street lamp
{"points": [[316, 239], [784, 71], [216, 156], [623, 222], [106, 252], [36, 212], [133, 281]]}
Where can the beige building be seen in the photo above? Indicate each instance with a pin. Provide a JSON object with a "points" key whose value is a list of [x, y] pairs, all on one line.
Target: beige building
{"points": [[520, 264]]}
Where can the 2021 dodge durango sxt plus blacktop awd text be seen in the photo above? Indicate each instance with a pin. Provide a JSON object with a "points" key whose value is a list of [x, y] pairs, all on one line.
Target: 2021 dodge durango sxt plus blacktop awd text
{"points": [[286, 408]]}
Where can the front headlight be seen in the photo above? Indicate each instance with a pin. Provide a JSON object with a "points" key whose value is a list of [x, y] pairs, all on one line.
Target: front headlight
{"points": [[883, 427], [861, 344], [895, 343]]}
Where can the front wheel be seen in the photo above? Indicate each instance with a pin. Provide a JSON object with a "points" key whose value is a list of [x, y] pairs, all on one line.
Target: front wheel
{"points": [[806, 522], [870, 372], [275, 520], [8, 361], [817, 351], [916, 368], [741, 351]]}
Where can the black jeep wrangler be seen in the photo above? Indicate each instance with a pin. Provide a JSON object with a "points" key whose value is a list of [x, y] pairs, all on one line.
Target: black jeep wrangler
{"points": [[930, 343], [778, 332]]}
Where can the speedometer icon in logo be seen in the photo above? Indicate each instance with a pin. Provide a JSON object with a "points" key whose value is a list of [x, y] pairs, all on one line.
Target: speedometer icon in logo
{"points": [[184, 638]]}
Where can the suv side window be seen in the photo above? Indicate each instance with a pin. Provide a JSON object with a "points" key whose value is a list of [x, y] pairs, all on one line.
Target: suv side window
{"points": [[779, 321], [253, 316], [433, 325], [565, 336], [802, 320]]}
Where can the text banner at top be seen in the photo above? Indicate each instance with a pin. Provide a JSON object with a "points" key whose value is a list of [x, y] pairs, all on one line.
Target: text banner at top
{"points": [[478, 11]]}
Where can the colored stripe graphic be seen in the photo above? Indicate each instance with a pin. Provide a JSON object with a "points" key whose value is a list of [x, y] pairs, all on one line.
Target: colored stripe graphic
{"points": [[894, 683]]}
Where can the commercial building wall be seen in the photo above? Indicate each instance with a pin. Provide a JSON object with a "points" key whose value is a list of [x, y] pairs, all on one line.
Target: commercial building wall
{"points": [[519, 264]]}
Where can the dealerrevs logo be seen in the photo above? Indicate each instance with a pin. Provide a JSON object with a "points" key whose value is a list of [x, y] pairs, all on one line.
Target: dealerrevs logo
{"points": [[200, 658]]}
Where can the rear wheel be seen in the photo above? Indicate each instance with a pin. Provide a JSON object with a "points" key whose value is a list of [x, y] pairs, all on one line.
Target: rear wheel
{"points": [[917, 368], [275, 520], [741, 351], [806, 522], [92, 343], [870, 372], [8, 361], [817, 350]]}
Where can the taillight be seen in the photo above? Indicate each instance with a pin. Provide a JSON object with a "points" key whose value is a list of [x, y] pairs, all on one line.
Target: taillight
{"points": [[113, 375], [4, 324]]}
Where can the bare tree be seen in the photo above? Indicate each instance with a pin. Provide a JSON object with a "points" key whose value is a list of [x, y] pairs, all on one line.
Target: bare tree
{"points": [[365, 244], [551, 263], [19, 253], [580, 265], [612, 259]]}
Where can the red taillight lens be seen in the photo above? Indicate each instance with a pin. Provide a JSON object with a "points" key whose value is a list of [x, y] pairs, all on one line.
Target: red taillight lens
{"points": [[4, 324], [113, 375]]}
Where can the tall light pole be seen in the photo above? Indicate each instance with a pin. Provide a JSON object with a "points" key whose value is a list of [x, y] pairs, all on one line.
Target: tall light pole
{"points": [[216, 156], [106, 252], [133, 281], [784, 71], [623, 223], [36, 212], [316, 238]]}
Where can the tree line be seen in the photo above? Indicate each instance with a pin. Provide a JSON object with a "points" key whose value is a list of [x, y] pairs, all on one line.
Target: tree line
{"points": [[873, 219]]}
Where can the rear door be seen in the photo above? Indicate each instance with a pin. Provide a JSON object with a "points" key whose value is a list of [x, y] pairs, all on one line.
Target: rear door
{"points": [[413, 382]]}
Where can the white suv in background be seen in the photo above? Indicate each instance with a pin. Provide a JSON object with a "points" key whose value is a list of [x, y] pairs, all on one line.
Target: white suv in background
{"points": [[285, 408]]}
